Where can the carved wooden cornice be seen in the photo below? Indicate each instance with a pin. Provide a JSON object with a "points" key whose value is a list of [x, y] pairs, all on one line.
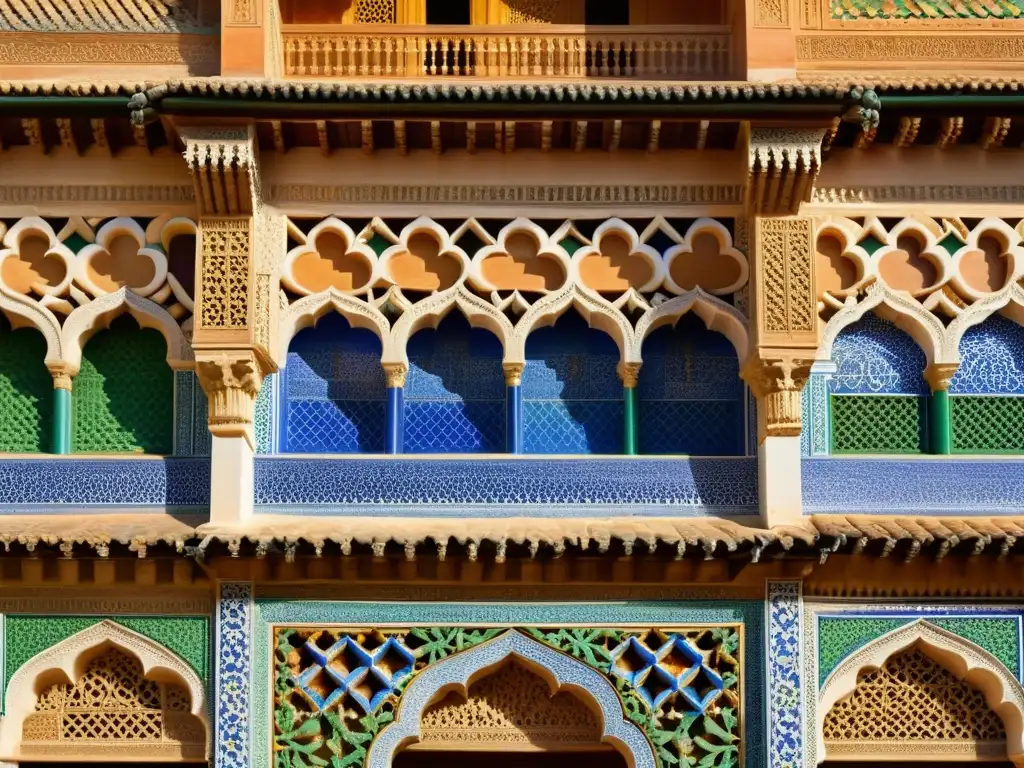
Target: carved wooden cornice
{"points": [[783, 164], [224, 167]]}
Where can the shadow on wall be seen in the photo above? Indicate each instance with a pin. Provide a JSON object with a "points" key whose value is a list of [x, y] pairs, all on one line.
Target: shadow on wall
{"points": [[26, 391], [572, 395], [334, 390], [455, 391]]}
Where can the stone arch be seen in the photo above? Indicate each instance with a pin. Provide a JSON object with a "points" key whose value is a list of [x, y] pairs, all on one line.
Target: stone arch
{"points": [[68, 662], [1009, 300], [308, 310], [903, 312], [23, 312], [561, 672], [967, 661], [87, 320], [717, 316]]}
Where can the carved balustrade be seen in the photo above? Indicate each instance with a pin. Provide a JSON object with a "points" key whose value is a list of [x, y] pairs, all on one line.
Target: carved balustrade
{"points": [[551, 51]]}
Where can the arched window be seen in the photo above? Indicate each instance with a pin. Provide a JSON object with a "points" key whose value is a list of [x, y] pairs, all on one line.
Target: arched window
{"points": [[123, 396], [878, 394], [987, 392], [333, 391], [691, 394], [26, 391], [572, 395], [455, 390]]}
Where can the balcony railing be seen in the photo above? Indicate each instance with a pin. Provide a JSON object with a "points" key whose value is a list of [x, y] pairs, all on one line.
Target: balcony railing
{"points": [[380, 51]]}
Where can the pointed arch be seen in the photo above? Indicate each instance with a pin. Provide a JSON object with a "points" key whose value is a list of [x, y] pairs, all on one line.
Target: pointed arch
{"points": [[981, 310], [561, 672], [23, 312], [87, 320], [717, 315], [67, 662], [308, 310], [969, 662], [903, 312]]}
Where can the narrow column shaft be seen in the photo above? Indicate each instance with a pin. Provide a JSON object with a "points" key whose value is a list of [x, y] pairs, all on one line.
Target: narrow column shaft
{"points": [[514, 442], [60, 439], [940, 434], [394, 433], [630, 375]]}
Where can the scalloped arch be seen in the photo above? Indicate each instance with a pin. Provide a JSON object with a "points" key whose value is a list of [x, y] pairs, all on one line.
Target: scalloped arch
{"points": [[308, 310], [717, 316], [38, 317], [86, 320], [969, 662], [71, 657], [905, 313], [560, 671], [981, 310]]}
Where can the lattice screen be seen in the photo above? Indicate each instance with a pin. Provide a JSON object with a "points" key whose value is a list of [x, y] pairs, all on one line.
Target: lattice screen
{"points": [[913, 700], [26, 391], [114, 710], [375, 11], [877, 424], [987, 424], [532, 11]]}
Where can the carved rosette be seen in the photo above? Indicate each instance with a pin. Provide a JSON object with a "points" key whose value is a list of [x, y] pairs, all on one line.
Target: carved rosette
{"points": [[231, 381], [777, 382]]}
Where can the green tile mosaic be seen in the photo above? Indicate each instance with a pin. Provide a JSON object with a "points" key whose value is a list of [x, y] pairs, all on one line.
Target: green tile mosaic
{"points": [[187, 636], [838, 637]]}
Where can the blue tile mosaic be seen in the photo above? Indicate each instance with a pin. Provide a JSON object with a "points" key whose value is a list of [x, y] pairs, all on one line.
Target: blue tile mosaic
{"points": [[874, 357], [333, 389], [51, 483], [500, 487], [913, 486], [234, 697], [785, 679], [665, 614], [572, 394], [691, 394], [991, 359], [455, 390]]}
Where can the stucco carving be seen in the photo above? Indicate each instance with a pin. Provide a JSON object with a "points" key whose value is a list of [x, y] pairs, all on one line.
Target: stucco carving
{"points": [[561, 672], [68, 661], [967, 661]]}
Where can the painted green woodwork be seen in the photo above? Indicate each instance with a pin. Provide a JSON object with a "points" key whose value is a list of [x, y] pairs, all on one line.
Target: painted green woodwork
{"points": [[60, 441], [26, 391], [27, 636], [878, 423], [938, 423], [124, 394], [839, 637], [987, 424], [337, 731], [630, 432], [926, 10]]}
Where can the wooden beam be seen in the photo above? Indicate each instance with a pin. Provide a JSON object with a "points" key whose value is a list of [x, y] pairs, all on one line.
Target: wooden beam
{"points": [[702, 134], [906, 134], [612, 135], [435, 137], [950, 131], [366, 129], [865, 138], [34, 132], [471, 137], [994, 132], [99, 133], [654, 136], [546, 129], [278, 130], [510, 137], [581, 136], [140, 136], [401, 137], [322, 137]]}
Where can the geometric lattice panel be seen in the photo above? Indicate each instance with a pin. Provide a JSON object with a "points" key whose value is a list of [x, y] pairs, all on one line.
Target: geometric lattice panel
{"points": [[987, 424], [878, 424], [532, 11], [912, 703], [114, 711], [123, 398], [572, 427], [694, 427], [375, 11], [26, 391]]}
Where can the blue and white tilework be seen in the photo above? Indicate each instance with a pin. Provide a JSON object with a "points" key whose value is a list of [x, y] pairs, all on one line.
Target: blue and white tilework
{"points": [[45, 484], [264, 423], [461, 668], [455, 390], [334, 391], [991, 359], [661, 613], [234, 674], [874, 357], [191, 434], [498, 487], [785, 686], [913, 486], [815, 437], [572, 394], [690, 392]]}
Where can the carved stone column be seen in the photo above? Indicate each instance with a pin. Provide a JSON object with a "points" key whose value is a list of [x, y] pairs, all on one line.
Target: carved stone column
{"points": [[234, 311], [940, 418], [785, 339]]}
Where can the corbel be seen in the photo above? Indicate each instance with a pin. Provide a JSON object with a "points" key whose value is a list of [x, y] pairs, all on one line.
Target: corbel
{"points": [[224, 167], [783, 164]]}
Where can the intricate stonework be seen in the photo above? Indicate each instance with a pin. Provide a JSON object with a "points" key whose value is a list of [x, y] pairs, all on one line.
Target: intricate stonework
{"points": [[771, 13], [231, 382], [200, 53], [785, 304], [952, 193], [777, 381], [223, 164], [513, 374], [892, 48], [242, 13], [783, 165], [395, 374], [224, 274]]}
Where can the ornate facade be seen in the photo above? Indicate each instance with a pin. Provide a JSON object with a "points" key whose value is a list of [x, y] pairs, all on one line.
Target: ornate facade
{"points": [[425, 382]]}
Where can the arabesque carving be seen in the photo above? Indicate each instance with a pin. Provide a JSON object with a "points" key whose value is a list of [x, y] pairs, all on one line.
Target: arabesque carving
{"points": [[224, 274], [783, 165], [223, 164], [231, 381]]}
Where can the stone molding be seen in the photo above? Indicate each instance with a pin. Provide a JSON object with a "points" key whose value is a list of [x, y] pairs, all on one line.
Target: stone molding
{"points": [[224, 167], [200, 53], [783, 164], [874, 48]]}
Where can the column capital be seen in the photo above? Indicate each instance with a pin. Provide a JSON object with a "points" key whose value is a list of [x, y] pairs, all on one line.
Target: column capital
{"points": [[513, 374], [231, 380], [630, 374], [395, 374], [62, 375], [776, 377], [939, 375]]}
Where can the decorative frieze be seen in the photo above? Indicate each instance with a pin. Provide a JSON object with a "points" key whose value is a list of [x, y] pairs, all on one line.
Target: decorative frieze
{"points": [[224, 299]]}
